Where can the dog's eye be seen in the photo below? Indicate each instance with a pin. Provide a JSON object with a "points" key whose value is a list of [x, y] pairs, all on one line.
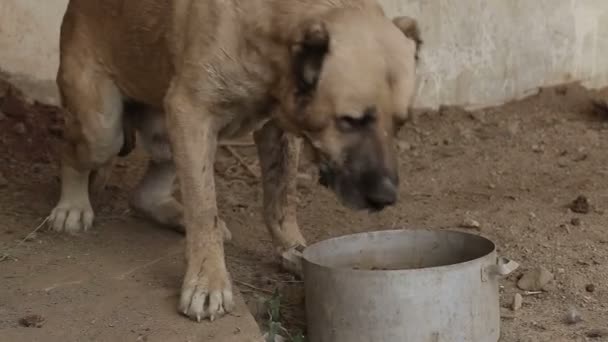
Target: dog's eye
{"points": [[347, 123]]}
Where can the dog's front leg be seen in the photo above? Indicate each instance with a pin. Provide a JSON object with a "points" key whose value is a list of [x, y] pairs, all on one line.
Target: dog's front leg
{"points": [[193, 129], [279, 154]]}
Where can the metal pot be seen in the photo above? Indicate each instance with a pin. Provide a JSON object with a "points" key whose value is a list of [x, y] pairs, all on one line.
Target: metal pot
{"points": [[404, 286]]}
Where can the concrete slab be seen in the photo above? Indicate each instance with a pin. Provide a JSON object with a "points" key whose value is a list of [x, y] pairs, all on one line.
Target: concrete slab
{"points": [[119, 282]]}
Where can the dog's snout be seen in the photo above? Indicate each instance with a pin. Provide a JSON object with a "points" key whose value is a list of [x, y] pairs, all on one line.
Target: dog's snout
{"points": [[384, 193]]}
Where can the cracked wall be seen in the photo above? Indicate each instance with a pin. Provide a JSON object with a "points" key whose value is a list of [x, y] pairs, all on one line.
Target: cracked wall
{"points": [[477, 52]]}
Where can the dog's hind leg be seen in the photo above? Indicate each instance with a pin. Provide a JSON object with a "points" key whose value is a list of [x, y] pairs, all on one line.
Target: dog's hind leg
{"points": [[279, 156], [154, 195], [93, 135]]}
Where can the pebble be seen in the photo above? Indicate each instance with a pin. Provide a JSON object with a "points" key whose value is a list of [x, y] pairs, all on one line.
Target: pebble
{"points": [[2, 116], [537, 279], [518, 301], [32, 321], [576, 221], [573, 316], [580, 205], [590, 288], [470, 223], [597, 333]]}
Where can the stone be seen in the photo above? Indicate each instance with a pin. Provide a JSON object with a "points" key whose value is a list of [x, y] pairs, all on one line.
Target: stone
{"points": [[537, 279], [518, 301], [580, 205], [32, 321], [470, 224], [573, 317]]}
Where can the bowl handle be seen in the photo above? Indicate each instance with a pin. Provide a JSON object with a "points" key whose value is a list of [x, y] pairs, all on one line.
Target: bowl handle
{"points": [[291, 260], [503, 267]]}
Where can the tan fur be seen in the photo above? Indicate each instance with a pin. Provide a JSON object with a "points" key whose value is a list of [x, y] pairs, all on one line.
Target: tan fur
{"points": [[337, 73]]}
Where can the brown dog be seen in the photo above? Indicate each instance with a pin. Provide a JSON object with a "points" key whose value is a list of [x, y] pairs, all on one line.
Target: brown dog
{"points": [[337, 73]]}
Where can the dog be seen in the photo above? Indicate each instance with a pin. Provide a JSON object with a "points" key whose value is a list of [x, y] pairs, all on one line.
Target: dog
{"points": [[337, 75]]}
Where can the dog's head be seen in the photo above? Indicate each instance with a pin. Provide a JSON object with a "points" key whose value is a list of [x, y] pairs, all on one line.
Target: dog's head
{"points": [[352, 82]]}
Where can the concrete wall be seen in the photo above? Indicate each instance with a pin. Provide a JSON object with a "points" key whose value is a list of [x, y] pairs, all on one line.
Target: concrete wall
{"points": [[486, 52], [476, 53], [29, 44]]}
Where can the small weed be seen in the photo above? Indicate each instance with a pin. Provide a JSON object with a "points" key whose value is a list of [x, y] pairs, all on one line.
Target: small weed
{"points": [[275, 328]]}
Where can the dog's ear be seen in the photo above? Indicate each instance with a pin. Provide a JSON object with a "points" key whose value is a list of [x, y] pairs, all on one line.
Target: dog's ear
{"points": [[409, 27], [309, 49]]}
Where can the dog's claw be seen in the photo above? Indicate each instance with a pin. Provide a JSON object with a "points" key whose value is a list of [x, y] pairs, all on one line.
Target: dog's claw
{"points": [[207, 292]]}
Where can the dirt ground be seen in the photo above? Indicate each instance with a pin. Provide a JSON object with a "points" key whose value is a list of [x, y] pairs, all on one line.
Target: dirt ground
{"points": [[514, 169]]}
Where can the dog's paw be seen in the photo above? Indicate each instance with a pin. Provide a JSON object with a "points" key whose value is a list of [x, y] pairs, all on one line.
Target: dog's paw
{"points": [[207, 291], [71, 217], [166, 212]]}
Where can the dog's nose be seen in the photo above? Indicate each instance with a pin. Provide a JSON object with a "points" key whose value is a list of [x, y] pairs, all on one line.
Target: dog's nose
{"points": [[382, 195]]}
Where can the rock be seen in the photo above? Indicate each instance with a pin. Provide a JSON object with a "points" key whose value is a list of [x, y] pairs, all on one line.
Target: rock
{"points": [[580, 205], [537, 279], [575, 221], [518, 301], [2, 116], [32, 321], [597, 333], [573, 316], [20, 128], [470, 224], [590, 288]]}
